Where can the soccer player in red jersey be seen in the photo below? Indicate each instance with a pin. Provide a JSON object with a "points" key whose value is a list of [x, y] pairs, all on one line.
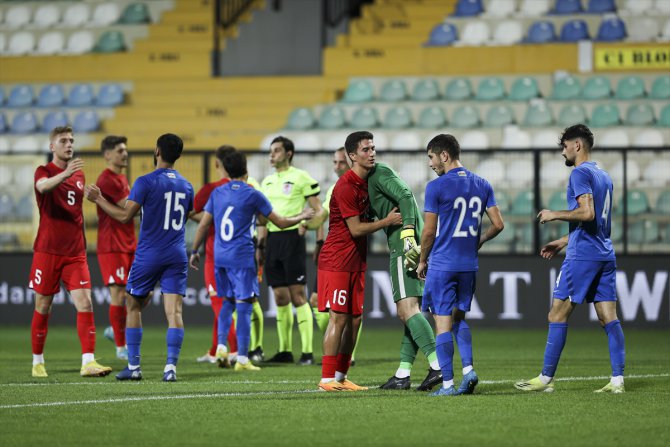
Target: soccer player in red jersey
{"points": [[116, 240], [342, 262], [60, 251], [216, 353]]}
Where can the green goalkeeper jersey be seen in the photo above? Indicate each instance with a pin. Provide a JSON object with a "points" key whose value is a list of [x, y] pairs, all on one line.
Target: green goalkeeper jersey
{"points": [[387, 191]]}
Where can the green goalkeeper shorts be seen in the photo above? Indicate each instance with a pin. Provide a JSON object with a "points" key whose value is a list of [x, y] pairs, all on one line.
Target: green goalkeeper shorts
{"points": [[403, 283]]}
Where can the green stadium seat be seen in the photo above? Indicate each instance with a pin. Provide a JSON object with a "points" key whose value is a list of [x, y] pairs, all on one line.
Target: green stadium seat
{"points": [[301, 119], [365, 117], [499, 116], [426, 90], [398, 118], [616, 233], [571, 114], [524, 204], [359, 91], [506, 237], [432, 117], [663, 202], [597, 87], [640, 115], [605, 115], [538, 114], [664, 117], [458, 89], [110, 42], [525, 233], [630, 87], [465, 117], [643, 232], [135, 13], [660, 89], [558, 201], [567, 88], [524, 89], [393, 90], [637, 201], [332, 117], [490, 89], [503, 201]]}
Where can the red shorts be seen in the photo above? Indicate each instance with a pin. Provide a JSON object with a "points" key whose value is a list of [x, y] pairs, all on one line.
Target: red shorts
{"points": [[48, 270], [114, 267], [341, 291], [210, 277]]}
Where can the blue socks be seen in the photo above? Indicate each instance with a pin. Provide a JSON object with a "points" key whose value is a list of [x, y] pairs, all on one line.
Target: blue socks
{"points": [[616, 343], [243, 329], [444, 347], [558, 332], [464, 341], [225, 320], [174, 338], [133, 342]]}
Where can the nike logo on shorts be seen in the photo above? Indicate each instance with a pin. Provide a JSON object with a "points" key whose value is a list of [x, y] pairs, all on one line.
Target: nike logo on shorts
{"points": [[83, 282]]}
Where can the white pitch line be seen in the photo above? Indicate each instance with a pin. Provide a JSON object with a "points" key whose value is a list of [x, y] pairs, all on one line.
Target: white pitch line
{"points": [[580, 379], [224, 382]]}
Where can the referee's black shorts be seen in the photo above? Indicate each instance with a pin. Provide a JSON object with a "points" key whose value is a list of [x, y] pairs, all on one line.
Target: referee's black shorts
{"points": [[285, 259]]}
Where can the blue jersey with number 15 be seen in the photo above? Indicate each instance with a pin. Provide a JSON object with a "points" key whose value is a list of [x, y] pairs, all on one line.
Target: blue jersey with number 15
{"points": [[459, 198], [166, 199], [234, 207]]}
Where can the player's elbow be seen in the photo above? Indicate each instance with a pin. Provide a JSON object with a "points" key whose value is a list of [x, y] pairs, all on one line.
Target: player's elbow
{"points": [[498, 226], [588, 215]]}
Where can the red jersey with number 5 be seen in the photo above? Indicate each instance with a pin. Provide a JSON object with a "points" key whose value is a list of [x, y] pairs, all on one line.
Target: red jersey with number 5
{"points": [[61, 230], [114, 236]]}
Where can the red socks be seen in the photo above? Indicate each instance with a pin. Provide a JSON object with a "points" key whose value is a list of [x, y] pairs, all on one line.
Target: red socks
{"points": [[216, 307], [117, 318], [86, 331], [328, 366], [343, 363], [38, 331]]}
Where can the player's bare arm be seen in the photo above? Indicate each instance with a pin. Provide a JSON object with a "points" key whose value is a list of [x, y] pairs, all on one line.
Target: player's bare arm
{"points": [[200, 236], [123, 215], [552, 248], [585, 212], [320, 214], [358, 228], [196, 217], [285, 222], [497, 225], [427, 241], [261, 238], [47, 184]]}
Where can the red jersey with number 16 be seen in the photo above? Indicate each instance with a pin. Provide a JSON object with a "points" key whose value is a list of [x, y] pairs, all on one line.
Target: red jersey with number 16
{"points": [[61, 230], [114, 236], [342, 252]]}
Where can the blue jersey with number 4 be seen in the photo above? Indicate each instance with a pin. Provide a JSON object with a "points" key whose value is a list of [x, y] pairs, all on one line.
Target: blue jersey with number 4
{"points": [[590, 241], [234, 207], [459, 198], [166, 199]]}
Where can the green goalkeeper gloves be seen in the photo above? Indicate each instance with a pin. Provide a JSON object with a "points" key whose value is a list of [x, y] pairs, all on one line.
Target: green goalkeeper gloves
{"points": [[410, 249]]}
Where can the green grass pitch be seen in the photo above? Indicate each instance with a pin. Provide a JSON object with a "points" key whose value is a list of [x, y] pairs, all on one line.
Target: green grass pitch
{"points": [[280, 406]]}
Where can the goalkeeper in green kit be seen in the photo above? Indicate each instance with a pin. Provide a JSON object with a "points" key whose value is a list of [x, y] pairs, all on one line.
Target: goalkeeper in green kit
{"points": [[388, 191]]}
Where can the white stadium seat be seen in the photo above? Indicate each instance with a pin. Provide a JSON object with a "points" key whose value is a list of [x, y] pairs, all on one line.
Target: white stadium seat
{"points": [[105, 14], [474, 139], [643, 29], [613, 138], [307, 142], [76, 15], [633, 172], [21, 43], [514, 138], [508, 32], [51, 43], [17, 16], [554, 173], [649, 138], [46, 16], [404, 141], [493, 170], [534, 8], [657, 173], [4, 145], [637, 7], [545, 139], [3, 43], [520, 173], [500, 8], [28, 144], [80, 42], [475, 33], [662, 7]]}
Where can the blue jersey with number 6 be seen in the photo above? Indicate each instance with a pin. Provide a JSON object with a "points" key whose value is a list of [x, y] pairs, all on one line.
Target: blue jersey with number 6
{"points": [[590, 241], [166, 199], [234, 207], [459, 198]]}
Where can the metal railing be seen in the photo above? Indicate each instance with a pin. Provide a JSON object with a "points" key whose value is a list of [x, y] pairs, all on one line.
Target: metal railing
{"points": [[226, 13]]}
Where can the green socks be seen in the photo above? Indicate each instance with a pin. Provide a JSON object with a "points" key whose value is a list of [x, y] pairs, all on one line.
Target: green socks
{"points": [[422, 334], [305, 327], [408, 349], [285, 326], [256, 327], [321, 319], [358, 339]]}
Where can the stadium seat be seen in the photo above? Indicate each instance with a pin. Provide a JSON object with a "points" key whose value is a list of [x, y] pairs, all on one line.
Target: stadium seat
{"points": [[474, 140], [545, 139], [558, 201], [662, 7], [52, 42], [46, 16], [301, 119], [2, 95], [490, 89], [541, 32], [458, 89], [639, 115], [665, 33], [524, 89], [643, 232], [534, 8], [520, 174], [109, 95], [24, 209], [630, 87], [3, 123], [514, 138], [3, 43], [6, 175], [493, 170], [426, 90], [135, 13], [664, 116], [597, 87], [308, 141], [17, 16], [571, 114], [567, 7], [465, 117], [566, 88], [601, 6], [54, 119], [76, 15], [398, 118], [649, 138], [25, 144], [6, 207], [656, 173], [468, 8], [538, 114], [81, 95], [638, 7], [393, 90], [614, 138], [475, 33], [643, 29], [358, 91], [21, 96], [332, 117], [80, 42], [554, 174], [616, 233], [21, 43], [105, 14], [502, 200], [499, 116], [632, 173], [523, 204], [51, 95], [442, 34], [365, 117], [24, 122], [407, 141], [500, 8], [110, 42], [432, 117], [86, 121], [611, 29], [660, 88], [574, 31], [605, 115], [508, 32], [4, 145], [663, 202]]}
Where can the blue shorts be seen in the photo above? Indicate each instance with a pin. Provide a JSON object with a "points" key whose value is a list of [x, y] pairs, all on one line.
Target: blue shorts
{"points": [[240, 284], [142, 278], [445, 290], [592, 281]]}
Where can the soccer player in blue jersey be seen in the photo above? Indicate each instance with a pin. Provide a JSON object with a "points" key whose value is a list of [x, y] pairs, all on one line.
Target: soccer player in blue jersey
{"points": [[450, 240], [233, 208], [588, 272], [165, 198]]}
